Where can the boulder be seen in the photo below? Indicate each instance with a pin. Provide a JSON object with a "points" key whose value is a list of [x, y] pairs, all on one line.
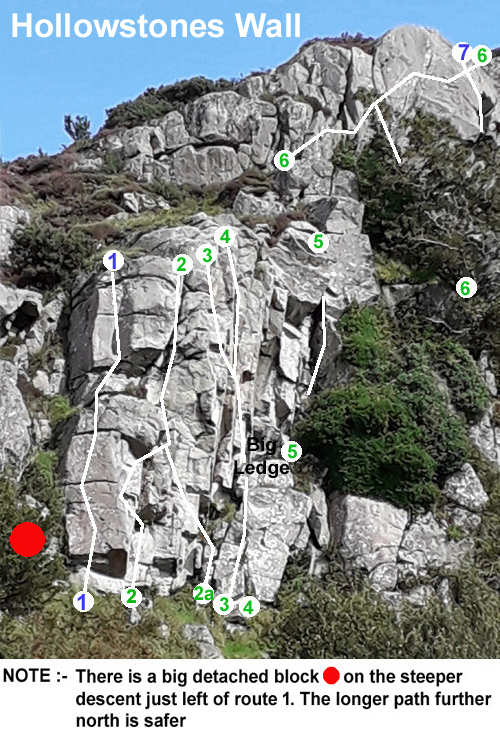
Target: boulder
{"points": [[204, 639], [465, 489], [426, 546], [368, 534], [16, 422]]}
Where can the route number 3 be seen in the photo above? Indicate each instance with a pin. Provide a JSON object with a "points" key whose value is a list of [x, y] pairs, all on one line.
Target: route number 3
{"points": [[223, 604], [206, 254]]}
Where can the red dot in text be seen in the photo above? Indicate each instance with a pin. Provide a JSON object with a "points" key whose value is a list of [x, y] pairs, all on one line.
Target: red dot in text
{"points": [[331, 675], [27, 539]]}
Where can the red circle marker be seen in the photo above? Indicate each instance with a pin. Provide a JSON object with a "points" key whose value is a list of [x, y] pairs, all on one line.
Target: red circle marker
{"points": [[331, 675], [27, 539]]}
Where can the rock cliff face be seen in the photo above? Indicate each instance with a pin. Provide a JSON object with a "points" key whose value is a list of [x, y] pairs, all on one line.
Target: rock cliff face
{"points": [[207, 144]]}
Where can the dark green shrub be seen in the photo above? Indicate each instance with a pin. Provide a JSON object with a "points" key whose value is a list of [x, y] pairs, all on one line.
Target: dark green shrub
{"points": [[44, 257], [77, 129], [367, 339], [428, 210], [394, 441], [388, 433]]}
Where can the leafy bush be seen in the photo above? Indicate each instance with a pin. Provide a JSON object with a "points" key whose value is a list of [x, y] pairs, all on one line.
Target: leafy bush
{"points": [[367, 339], [428, 209], [155, 103], [44, 257], [28, 582]]}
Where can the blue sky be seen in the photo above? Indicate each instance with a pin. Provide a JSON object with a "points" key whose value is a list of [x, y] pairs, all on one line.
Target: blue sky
{"points": [[44, 79]]}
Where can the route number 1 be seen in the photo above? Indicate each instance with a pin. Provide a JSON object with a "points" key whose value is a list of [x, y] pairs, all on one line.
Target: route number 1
{"points": [[83, 601], [113, 260]]}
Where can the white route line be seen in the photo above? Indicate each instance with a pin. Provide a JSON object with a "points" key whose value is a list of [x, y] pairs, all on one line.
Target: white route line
{"points": [[233, 373], [94, 436], [165, 447], [421, 75], [386, 131], [323, 346], [136, 463], [478, 95], [141, 460], [375, 105]]}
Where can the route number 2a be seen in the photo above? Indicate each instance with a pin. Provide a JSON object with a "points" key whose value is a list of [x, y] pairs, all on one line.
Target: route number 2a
{"points": [[203, 593]]}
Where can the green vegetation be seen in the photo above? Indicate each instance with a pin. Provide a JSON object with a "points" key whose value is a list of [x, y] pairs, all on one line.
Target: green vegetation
{"points": [[388, 433], [432, 218], [155, 103], [77, 129], [60, 410], [427, 209], [44, 257], [454, 362], [57, 630], [340, 616], [26, 583]]}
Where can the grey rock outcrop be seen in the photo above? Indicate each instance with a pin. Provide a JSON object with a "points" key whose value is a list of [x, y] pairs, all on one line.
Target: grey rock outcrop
{"points": [[426, 546], [204, 639], [230, 138], [465, 489], [10, 219], [368, 534], [16, 422]]}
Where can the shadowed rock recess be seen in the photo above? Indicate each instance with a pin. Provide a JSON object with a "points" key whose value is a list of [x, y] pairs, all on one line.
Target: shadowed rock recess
{"points": [[396, 494]]}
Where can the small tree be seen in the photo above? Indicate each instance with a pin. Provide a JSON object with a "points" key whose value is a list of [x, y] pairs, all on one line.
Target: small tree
{"points": [[78, 129]]}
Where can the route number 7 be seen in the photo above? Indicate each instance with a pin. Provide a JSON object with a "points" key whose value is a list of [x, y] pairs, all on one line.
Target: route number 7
{"points": [[464, 47]]}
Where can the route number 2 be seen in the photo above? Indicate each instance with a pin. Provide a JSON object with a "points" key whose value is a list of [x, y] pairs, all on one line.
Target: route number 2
{"points": [[131, 597], [182, 264]]}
